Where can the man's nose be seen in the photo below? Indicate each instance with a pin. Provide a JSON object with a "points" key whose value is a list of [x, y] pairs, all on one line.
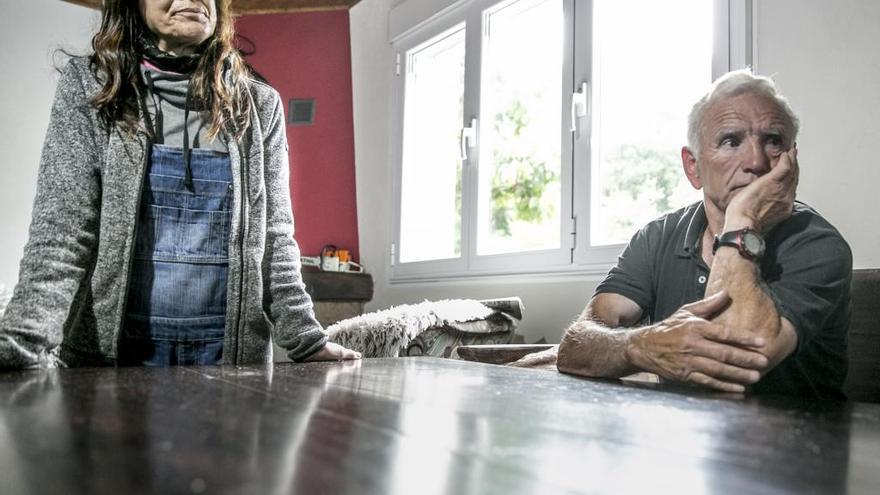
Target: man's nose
{"points": [[757, 161]]}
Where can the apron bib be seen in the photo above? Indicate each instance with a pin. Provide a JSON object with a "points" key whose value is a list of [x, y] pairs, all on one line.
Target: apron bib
{"points": [[176, 306]]}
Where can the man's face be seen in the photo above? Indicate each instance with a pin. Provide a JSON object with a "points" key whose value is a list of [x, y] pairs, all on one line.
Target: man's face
{"points": [[740, 140], [179, 25]]}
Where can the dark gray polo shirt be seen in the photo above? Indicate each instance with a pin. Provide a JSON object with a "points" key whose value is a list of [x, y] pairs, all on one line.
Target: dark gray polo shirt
{"points": [[806, 270]]}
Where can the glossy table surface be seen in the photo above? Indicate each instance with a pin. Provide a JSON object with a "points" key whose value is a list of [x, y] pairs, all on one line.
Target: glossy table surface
{"points": [[416, 425]]}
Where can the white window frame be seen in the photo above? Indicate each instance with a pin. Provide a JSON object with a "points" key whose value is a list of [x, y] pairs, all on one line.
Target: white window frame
{"points": [[414, 22]]}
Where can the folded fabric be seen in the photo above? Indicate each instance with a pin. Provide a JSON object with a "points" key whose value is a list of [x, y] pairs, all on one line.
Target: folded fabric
{"points": [[444, 341], [396, 331], [5, 296]]}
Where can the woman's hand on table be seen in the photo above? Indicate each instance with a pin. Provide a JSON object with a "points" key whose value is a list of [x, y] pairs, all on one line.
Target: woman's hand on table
{"points": [[334, 352]]}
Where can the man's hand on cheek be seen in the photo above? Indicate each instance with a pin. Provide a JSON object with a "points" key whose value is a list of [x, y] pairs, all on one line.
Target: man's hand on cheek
{"points": [[768, 200]]}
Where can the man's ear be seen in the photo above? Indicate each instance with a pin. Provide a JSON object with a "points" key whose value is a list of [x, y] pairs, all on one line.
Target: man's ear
{"points": [[689, 164]]}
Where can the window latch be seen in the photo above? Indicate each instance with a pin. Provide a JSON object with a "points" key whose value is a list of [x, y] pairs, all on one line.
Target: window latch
{"points": [[468, 138], [580, 105]]}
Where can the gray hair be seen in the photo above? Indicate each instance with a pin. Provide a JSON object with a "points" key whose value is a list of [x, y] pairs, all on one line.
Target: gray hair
{"points": [[732, 84]]}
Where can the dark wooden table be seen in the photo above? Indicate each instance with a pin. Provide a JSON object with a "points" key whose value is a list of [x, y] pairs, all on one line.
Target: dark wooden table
{"points": [[416, 426]]}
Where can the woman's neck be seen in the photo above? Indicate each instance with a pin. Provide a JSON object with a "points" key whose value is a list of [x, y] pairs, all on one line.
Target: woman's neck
{"points": [[174, 49]]}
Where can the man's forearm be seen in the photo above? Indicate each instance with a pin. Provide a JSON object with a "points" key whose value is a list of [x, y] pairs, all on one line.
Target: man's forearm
{"points": [[589, 348], [751, 309], [741, 279]]}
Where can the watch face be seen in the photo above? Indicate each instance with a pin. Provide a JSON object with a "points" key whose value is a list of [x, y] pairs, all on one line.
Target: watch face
{"points": [[753, 243]]}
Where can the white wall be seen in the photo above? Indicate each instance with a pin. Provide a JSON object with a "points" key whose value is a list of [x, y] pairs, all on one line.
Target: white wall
{"points": [[825, 58], [30, 31]]}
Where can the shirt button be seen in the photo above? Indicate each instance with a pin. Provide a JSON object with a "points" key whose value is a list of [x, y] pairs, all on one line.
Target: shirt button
{"points": [[702, 279]]}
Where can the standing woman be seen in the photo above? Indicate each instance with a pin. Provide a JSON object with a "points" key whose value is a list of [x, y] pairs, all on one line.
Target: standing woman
{"points": [[162, 231]]}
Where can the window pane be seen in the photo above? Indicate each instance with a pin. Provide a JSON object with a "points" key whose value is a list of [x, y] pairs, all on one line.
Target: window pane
{"points": [[652, 60], [519, 186], [430, 212]]}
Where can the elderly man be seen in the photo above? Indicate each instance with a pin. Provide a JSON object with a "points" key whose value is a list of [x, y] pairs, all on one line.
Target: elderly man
{"points": [[746, 289]]}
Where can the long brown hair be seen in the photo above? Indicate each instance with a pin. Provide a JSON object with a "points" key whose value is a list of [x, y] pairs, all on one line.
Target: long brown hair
{"points": [[219, 82]]}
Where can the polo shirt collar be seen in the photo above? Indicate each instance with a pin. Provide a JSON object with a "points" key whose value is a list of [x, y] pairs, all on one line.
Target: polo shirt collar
{"points": [[696, 226]]}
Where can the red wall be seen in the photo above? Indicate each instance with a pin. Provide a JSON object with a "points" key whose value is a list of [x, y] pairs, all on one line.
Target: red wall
{"points": [[308, 55]]}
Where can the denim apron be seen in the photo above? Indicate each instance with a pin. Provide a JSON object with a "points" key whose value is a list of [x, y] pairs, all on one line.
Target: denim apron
{"points": [[176, 305]]}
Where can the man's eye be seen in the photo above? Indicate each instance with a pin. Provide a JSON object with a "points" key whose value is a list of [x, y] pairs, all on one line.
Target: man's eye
{"points": [[774, 140], [730, 142]]}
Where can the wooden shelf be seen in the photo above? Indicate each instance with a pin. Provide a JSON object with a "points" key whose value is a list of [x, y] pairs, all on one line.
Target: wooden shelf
{"points": [[337, 286]]}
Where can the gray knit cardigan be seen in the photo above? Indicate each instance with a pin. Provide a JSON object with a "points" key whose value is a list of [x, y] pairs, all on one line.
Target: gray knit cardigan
{"points": [[70, 298]]}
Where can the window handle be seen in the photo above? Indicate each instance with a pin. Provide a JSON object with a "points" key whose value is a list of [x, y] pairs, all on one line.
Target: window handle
{"points": [[468, 138], [580, 105]]}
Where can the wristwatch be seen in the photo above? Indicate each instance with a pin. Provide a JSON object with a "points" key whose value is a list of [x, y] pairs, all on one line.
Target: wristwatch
{"points": [[749, 243]]}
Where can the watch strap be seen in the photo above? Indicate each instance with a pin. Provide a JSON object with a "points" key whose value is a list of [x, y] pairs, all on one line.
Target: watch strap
{"points": [[736, 238]]}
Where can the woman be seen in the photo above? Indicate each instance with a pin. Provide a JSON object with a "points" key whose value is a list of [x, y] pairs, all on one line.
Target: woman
{"points": [[162, 230]]}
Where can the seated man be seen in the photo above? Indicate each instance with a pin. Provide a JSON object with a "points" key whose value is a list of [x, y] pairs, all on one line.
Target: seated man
{"points": [[745, 289]]}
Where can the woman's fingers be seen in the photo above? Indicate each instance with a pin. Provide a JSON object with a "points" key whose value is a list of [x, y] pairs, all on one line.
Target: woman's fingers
{"points": [[350, 354], [334, 352]]}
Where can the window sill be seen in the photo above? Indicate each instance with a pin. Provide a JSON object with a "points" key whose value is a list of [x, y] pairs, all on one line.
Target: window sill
{"points": [[588, 272]]}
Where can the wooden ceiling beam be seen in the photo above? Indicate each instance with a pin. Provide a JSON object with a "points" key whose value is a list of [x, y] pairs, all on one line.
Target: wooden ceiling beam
{"points": [[93, 4], [248, 7]]}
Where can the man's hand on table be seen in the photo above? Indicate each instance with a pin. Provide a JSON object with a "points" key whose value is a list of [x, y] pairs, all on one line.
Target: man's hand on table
{"points": [[690, 347], [543, 360], [333, 352]]}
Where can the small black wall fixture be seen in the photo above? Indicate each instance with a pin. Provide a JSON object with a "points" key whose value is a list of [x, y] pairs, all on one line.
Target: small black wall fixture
{"points": [[301, 111]]}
